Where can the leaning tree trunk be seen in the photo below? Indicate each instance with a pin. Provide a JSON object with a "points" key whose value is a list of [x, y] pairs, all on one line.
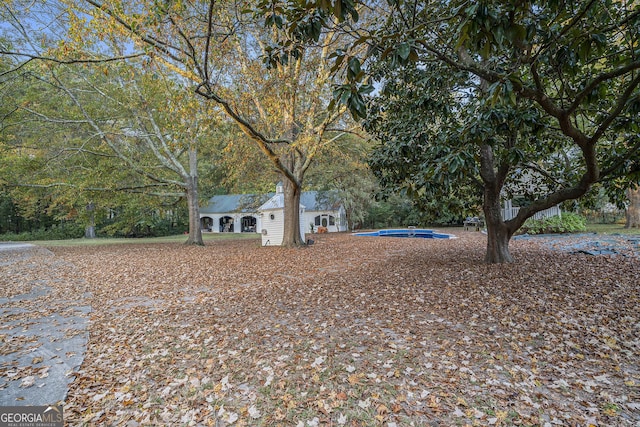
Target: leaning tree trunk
{"points": [[195, 232], [633, 210], [292, 192]]}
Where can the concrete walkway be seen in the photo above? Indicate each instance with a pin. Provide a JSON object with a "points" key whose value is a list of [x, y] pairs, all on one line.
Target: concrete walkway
{"points": [[42, 337]]}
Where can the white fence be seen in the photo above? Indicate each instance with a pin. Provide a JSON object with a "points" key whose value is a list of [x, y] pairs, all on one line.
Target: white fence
{"points": [[511, 212]]}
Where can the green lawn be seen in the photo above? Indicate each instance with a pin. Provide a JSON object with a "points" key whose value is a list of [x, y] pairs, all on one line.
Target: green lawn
{"points": [[611, 229], [180, 238]]}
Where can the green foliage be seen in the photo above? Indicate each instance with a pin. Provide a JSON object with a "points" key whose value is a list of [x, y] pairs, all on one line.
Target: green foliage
{"points": [[138, 220], [568, 222], [342, 167], [9, 215], [567, 71], [397, 211], [61, 231], [429, 126]]}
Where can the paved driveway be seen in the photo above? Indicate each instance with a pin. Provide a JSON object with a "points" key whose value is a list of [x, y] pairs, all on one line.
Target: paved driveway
{"points": [[43, 336]]}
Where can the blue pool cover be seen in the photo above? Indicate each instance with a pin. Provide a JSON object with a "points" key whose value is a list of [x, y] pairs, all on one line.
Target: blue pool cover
{"points": [[407, 232]]}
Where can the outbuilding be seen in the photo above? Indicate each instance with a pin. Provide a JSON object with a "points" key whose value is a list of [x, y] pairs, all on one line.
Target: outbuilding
{"points": [[233, 213], [272, 219], [320, 211]]}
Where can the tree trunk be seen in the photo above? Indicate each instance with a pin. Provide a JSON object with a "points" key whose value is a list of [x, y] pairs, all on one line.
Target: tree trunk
{"points": [[195, 232], [633, 210], [292, 192], [90, 230], [498, 237], [498, 233]]}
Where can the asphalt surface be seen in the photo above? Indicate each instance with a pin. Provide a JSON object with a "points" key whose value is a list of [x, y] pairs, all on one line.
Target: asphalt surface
{"points": [[590, 243], [40, 345]]}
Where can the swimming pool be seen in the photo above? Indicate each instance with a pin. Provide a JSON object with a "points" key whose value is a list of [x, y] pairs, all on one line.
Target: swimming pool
{"points": [[407, 232]]}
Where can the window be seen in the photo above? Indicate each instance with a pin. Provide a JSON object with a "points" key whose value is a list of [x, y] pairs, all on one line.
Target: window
{"points": [[324, 220], [272, 217]]}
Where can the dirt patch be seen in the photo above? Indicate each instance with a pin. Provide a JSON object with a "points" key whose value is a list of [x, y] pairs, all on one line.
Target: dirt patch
{"points": [[357, 331]]}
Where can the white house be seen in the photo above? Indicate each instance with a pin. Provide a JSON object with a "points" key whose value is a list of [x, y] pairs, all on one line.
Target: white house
{"points": [[323, 209], [242, 213], [234, 213], [509, 211], [272, 219], [526, 182]]}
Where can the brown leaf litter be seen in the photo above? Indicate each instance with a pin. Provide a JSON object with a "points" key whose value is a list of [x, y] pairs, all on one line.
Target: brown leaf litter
{"points": [[354, 331]]}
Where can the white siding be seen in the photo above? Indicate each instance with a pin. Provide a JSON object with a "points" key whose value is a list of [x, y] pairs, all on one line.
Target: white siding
{"points": [[272, 229], [339, 215], [303, 227], [510, 212]]}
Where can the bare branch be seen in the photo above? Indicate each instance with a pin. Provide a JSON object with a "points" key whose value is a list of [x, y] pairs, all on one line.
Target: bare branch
{"points": [[154, 42], [208, 40], [130, 189], [32, 57]]}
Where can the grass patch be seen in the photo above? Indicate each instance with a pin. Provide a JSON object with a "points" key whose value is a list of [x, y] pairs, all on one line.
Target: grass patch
{"points": [[611, 229], [180, 238], [567, 223]]}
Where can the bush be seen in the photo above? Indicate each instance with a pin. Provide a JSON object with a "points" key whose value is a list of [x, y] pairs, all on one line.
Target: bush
{"points": [[567, 223], [145, 227], [57, 232]]}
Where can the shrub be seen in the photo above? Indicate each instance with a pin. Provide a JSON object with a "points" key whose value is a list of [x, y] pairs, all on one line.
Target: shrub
{"points": [[57, 232], [567, 223]]}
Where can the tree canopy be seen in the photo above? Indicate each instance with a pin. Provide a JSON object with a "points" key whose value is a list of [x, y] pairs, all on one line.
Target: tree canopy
{"points": [[219, 47], [575, 65], [469, 101]]}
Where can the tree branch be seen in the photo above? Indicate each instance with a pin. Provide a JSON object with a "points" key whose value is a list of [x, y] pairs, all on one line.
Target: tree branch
{"points": [[161, 46], [130, 189], [629, 153], [601, 79], [617, 109], [104, 137], [208, 40], [32, 57], [565, 29], [205, 90]]}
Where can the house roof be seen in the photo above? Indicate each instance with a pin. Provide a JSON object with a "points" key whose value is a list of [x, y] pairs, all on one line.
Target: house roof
{"points": [[310, 200], [320, 200], [235, 203], [277, 202]]}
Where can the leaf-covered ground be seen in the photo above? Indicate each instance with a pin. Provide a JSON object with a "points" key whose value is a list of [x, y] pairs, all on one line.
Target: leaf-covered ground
{"points": [[355, 331]]}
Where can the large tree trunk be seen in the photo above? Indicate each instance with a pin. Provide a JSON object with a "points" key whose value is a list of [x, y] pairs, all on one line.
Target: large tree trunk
{"points": [[498, 233], [292, 192], [633, 210], [498, 237], [195, 231]]}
